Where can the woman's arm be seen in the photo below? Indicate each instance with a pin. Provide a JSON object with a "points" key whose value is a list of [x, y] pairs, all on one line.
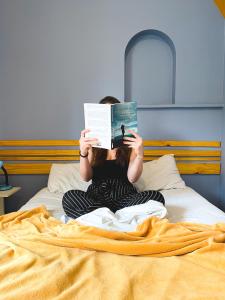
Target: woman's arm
{"points": [[136, 159], [86, 155]]}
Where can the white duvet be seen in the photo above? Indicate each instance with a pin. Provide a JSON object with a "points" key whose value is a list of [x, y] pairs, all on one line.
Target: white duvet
{"points": [[125, 219]]}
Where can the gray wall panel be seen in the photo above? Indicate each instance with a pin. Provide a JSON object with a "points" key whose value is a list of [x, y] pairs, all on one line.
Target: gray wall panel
{"points": [[222, 182]]}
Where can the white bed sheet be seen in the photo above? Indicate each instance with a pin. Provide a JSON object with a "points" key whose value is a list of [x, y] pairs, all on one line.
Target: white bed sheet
{"points": [[183, 205]]}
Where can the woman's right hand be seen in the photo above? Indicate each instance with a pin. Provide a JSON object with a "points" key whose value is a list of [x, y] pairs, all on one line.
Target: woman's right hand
{"points": [[86, 143]]}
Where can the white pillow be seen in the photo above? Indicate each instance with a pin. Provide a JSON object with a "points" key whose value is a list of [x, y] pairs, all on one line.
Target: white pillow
{"points": [[65, 177], [160, 174]]}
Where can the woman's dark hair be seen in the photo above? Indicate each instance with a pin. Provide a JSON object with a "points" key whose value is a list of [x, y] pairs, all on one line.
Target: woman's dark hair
{"points": [[109, 100], [122, 153]]}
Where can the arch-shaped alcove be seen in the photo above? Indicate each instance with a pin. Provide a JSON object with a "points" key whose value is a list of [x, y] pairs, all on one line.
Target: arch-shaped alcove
{"points": [[150, 68]]}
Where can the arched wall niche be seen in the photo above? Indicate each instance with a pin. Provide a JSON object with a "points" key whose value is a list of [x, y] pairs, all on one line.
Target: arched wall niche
{"points": [[150, 69]]}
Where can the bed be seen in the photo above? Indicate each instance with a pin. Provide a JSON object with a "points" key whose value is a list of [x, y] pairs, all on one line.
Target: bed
{"points": [[181, 256], [183, 205]]}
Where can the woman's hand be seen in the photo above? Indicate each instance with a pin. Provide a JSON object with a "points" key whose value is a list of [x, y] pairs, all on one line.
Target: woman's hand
{"points": [[86, 143], [135, 142], [136, 159]]}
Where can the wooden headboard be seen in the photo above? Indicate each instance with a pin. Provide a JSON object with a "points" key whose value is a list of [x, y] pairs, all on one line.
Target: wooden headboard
{"points": [[36, 156]]}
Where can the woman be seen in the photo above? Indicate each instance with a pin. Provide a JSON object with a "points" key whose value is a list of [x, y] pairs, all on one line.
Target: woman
{"points": [[112, 173]]}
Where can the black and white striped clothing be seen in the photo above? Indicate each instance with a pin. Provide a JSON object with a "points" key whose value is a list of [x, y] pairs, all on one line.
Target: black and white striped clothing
{"points": [[112, 193]]}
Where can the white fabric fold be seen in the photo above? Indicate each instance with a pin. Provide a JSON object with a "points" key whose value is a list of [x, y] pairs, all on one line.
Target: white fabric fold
{"points": [[125, 219]]}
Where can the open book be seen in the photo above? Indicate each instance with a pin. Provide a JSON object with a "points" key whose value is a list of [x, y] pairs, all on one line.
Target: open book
{"points": [[109, 122]]}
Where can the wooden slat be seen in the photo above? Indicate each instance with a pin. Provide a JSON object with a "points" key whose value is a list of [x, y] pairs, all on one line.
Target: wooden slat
{"points": [[198, 168], [37, 143], [172, 143], [184, 168], [39, 158], [221, 6], [62, 152], [182, 152], [146, 158], [148, 143], [40, 152], [181, 155], [77, 157], [28, 168]]}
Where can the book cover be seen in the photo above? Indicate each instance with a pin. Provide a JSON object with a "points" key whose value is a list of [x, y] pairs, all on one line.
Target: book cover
{"points": [[109, 122], [124, 117]]}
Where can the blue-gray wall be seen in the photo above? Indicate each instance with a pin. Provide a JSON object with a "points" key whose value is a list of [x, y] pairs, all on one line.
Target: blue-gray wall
{"points": [[1, 126], [1, 109], [223, 139], [55, 55]]}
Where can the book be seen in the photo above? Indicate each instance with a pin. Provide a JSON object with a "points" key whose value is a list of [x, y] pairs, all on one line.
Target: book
{"points": [[109, 122]]}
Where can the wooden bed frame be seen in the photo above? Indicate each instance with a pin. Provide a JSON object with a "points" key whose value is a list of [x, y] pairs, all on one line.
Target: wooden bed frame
{"points": [[36, 156]]}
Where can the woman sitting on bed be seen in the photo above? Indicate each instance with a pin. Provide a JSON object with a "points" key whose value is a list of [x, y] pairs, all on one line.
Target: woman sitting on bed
{"points": [[112, 173]]}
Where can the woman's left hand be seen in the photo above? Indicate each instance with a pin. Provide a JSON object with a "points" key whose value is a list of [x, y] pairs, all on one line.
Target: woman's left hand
{"points": [[135, 142]]}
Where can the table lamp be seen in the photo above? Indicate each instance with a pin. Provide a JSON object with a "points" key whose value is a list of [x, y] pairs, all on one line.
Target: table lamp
{"points": [[5, 186]]}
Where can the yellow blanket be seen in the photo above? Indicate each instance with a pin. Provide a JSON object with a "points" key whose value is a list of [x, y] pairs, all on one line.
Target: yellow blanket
{"points": [[41, 258]]}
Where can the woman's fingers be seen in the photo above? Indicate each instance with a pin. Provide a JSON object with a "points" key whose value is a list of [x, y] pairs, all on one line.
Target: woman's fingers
{"points": [[95, 142], [134, 133], [90, 140], [134, 141], [87, 142], [91, 143], [83, 132], [126, 138], [128, 143]]}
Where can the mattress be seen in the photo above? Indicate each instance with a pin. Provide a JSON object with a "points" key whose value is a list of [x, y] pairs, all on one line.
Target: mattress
{"points": [[183, 205]]}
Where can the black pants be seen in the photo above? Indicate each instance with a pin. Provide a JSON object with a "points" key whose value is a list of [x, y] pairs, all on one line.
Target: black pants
{"points": [[112, 193]]}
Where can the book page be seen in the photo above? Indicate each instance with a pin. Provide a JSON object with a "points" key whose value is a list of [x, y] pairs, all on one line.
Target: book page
{"points": [[124, 117], [98, 120]]}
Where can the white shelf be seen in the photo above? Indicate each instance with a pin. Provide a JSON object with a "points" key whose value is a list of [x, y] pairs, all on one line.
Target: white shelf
{"points": [[7, 193]]}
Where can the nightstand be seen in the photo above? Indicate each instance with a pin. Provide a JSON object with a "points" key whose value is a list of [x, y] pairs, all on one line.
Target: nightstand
{"points": [[5, 194]]}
